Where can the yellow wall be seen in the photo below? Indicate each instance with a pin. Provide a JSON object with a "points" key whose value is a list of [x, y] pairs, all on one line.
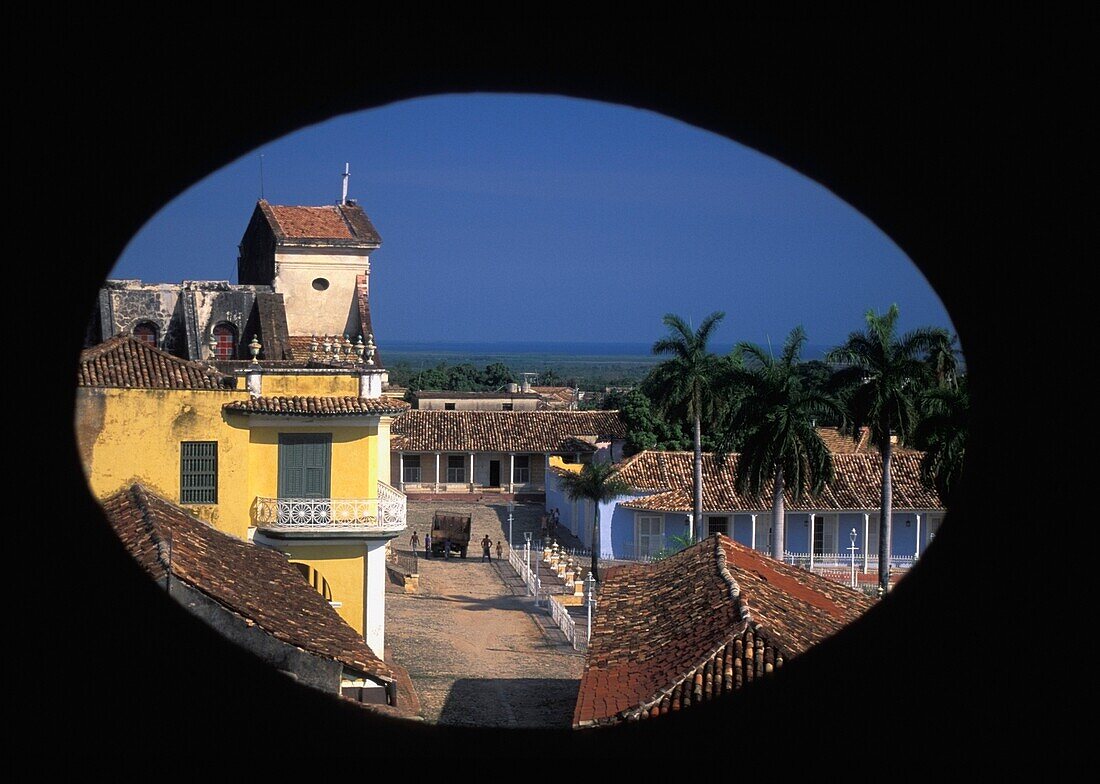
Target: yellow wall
{"points": [[134, 435], [344, 567], [307, 386], [354, 467], [557, 462]]}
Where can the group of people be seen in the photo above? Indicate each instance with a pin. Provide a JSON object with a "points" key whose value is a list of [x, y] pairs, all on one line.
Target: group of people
{"points": [[549, 523], [486, 546]]}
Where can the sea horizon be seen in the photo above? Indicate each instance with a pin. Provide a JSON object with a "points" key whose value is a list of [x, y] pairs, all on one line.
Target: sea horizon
{"points": [[637, 350]]}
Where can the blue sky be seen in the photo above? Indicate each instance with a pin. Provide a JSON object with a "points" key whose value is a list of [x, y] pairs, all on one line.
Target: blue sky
{"points": [[528, 218]]}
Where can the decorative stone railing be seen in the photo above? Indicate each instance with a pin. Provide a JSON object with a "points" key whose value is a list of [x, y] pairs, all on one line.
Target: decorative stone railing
{"points": [[384, 514]]}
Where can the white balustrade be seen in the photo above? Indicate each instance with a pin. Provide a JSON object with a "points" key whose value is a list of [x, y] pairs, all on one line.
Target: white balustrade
{"points": [[386, 513]]}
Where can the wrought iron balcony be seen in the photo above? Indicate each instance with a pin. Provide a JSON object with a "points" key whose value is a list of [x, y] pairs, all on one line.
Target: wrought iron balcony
{"points": [[385, 514]]}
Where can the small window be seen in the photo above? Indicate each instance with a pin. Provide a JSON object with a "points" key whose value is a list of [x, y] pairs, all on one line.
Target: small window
{"points": [[456, 468], [199, 472], [146, 332], [505, 406], [226, 337], [412, 469], [320, 284], [523, 469], [448, 406], [718, 525]]}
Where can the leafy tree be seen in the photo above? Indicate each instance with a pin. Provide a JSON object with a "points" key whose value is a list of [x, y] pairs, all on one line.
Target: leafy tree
{"points": [[879, 385], [496, 375], [596, 482], [690, 384], [645, 427], [776, 412], [942, 434]]}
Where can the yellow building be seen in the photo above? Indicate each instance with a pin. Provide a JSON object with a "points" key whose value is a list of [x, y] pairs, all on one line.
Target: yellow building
{"points": [[294, 458]]}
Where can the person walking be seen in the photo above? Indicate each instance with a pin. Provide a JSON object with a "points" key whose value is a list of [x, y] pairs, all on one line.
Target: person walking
{"points": [[428, 545], [414, 542], [498, 550], [486, 549]]}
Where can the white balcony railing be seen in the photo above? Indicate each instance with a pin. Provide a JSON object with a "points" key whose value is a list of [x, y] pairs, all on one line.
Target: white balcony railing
{"points": [[384, 514]]}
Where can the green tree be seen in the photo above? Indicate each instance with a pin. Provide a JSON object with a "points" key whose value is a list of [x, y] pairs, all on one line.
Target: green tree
{"points": [[942, 434], [943, 358], [645, 427], [596, 482], [495, 376], [690, 384], [879, 384], [776, 413]]}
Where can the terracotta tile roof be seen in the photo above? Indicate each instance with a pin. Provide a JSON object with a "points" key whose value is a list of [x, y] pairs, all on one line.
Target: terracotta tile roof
{"points": [[501, 431], [839, 443], [699, 625], [126, 362], [339, 224], [556, 396], [317, 406], [253, 582], [857, 484]]}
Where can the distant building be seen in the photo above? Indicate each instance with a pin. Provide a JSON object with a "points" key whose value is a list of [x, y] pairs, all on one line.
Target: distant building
{"points": [[818, 530], [253, 596], [427, 400], [496, 451], [698, 626]]}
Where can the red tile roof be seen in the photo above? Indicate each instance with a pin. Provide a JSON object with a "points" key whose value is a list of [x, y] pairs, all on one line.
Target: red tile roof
{"points": [[838, 443], [340, 224], [502, 431], [699, 625], [253, 582], [857, 484], [317, 406], [128, 363]]}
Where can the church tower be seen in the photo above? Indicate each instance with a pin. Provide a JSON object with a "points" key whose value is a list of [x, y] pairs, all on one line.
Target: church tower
{"points": [[318, 259]]}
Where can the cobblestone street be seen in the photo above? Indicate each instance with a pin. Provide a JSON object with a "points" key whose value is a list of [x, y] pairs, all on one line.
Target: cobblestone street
{"points": [[477, 649]]}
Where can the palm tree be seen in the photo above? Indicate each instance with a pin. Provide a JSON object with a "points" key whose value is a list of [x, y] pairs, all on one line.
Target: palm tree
{"points": [[880, 383], [943, 357], [596, 482], [775, 414], [942, 434], [690, 384]]}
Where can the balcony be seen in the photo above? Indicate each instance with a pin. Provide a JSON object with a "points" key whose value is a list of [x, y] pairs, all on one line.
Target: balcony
{"points": [[381, 516]]}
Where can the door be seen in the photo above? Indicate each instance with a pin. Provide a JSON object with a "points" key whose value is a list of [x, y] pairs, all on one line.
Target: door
{"points": [[494, 473], [304, 465]]}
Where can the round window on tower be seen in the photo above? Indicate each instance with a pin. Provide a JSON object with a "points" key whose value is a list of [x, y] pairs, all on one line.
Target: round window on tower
{"points": [[320, 284]]}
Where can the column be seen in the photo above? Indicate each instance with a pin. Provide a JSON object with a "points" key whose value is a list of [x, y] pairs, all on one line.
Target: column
{"points": [[401, 471], [471, 472], [811, 541], [437, 472], [916, 551], [512, 472], [374, 599], [866, 536], [753, 531]]}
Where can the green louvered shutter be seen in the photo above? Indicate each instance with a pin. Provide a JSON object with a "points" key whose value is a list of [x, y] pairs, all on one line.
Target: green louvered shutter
{"points": [[199, 472], [304, 460]]}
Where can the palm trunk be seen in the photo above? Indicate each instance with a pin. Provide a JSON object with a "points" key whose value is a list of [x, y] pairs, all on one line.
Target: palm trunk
{"points": [[884, 544], [596, 542], [778, 521], [698, 484]]}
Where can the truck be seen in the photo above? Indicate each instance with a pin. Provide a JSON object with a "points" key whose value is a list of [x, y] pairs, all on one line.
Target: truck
{"points": [[451, 527]]}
